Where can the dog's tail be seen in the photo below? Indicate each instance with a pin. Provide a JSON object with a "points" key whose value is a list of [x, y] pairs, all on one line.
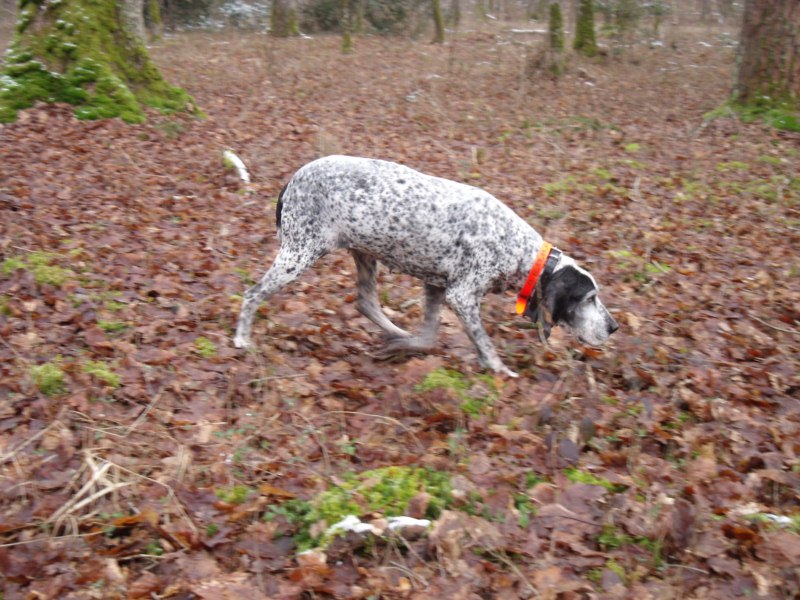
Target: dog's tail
{"points": [[279, 208]]}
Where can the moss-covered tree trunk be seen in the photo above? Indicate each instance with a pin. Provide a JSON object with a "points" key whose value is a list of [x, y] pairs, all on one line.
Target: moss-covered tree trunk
{"points": [[282, 19], [438, 22], [585, 42], [82, 52], [769, 55], [556, 27], [153, 19], [346, 21]]}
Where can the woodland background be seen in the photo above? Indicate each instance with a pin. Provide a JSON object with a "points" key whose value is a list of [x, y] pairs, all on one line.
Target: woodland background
{"points": [[143, 457]]}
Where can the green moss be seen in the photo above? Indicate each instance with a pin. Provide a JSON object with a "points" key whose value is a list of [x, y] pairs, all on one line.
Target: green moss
{"points": [[102, 372], [237, 494], [556, 27], [39, 263], [205, 347], [577, 476], [49, 378], [617, 568], [445, 379], [632, 148], [11, 264], [585, 42], [386, 491], [461, 386], [112, 326], [780, 114], [77, 54], [610, 538]]}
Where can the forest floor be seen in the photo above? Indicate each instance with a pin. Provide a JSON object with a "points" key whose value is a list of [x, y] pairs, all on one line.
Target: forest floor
{"points": [[142, 456]]}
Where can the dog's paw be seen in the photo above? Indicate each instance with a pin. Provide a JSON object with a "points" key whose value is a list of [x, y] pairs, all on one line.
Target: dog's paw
{"points": [[398, 347]]}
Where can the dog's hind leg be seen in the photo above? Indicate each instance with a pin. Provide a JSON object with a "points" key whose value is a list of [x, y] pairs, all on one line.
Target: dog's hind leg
{"points": [[367, 303], [288, 266], [425, 339]]}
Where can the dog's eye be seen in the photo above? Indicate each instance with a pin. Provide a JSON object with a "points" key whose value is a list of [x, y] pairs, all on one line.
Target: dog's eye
{"points": [[591, 299]]}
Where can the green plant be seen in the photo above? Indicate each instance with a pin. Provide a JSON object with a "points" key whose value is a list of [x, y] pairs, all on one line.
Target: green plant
{"points": [[237, 494], [49, 378], [101, 371], [205, 347], [610, 538], [577, 476], [632, 148], [386, 491], [40, 265], [112, 326], [153, 548], [475, 396]]}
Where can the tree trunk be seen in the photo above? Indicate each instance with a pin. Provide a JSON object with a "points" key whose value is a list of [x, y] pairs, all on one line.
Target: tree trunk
{"points": [[282, 19], [133, 17], [585, 42], [455, 13], [769, 55], [153, 20], [438, 22], [83, 52], [346, 19], [556, 27]]}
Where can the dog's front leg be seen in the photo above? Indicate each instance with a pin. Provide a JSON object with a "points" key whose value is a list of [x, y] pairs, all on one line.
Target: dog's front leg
{"points": [[466, 304]]}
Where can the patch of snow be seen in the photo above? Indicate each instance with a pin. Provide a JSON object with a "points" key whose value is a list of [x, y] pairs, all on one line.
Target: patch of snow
{"points": [[351, 523], [401, 522]]}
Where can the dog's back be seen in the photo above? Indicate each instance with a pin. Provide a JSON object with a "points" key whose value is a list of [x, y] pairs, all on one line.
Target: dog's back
{"points": [[425, 226]]}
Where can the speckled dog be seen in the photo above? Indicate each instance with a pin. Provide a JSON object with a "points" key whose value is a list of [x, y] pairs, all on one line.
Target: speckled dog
{"points": [[459, 240]]}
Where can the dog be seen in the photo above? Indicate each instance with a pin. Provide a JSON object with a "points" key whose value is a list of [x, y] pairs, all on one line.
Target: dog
{"points": [[460, 241]]}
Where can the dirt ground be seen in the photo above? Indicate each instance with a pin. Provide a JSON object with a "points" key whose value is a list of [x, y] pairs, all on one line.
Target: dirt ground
{"points": [[143, 456]]}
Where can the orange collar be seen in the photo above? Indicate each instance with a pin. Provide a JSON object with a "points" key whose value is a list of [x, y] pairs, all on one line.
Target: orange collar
{"points": [[533, 277]]}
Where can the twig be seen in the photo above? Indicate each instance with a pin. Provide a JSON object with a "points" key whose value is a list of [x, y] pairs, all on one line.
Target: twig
{"points": [[143, 415], [688, 568], [50, 539], [312, 431], [30, 440], [276, 377], [775, 327], [420, 447]]}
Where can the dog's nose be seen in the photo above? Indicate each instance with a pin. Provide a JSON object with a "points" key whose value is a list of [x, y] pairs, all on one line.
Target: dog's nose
{"points": [[612, 326]]}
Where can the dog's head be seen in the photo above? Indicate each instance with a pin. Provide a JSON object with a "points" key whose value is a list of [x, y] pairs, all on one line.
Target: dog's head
{"points": [[569, 296]]}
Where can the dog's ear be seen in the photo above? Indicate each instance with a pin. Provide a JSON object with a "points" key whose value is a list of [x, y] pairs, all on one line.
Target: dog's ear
{"points": [[563, 291]]}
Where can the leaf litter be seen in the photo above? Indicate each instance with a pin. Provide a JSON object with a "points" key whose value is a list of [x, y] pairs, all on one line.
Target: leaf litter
{"points": [[159, 465]]}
